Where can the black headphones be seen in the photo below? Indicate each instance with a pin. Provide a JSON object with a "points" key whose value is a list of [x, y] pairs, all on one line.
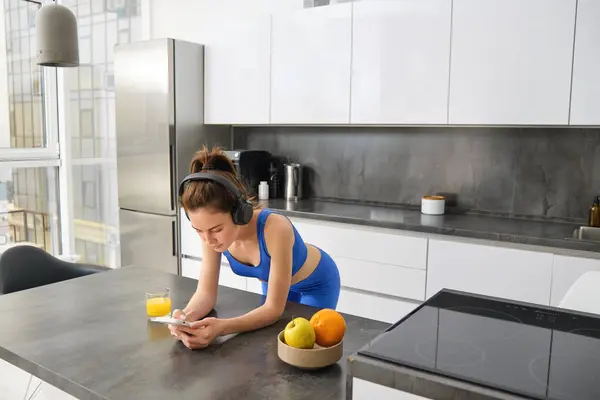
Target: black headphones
{"points": [[242, 210]]}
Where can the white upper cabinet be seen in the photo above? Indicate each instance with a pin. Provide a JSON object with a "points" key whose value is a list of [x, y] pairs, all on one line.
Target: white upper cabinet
{"points": [[237, 54], [511, 61], [400, 61], [585, 98], [238, 71], [310, 65]]}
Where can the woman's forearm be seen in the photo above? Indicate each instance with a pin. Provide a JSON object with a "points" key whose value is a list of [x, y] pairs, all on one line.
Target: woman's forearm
{"points": [[199, 305], [255, 319]]}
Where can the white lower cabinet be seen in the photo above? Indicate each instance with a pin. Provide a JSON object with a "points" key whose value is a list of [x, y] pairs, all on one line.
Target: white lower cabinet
{"points": [[190, 268], [18, 384], [386, 279], [489, 270], [373, 306], [254, 285], [566, 271], [191, 243], [49, 392], [13, 381], [365, 390]]}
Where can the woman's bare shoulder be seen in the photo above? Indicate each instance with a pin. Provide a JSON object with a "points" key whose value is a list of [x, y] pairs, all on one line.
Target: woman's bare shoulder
{"points": [[278, 222], [278, 230]]}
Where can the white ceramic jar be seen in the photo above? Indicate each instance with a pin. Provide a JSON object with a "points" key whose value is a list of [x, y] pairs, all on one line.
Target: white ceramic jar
{"points": [[433, 205]]}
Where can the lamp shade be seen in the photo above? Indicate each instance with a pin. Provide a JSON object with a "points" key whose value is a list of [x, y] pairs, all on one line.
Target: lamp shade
{"points": [[56, 32]]}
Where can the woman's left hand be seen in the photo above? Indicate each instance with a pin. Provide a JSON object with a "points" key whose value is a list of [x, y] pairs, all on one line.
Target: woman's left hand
{"points": [[201, 333]]}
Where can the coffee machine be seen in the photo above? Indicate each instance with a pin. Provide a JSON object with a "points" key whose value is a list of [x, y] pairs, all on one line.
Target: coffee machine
{"points": [[252, 166]]}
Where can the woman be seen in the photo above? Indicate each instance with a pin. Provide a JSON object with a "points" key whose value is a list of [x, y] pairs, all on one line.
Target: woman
{"points": [[257, 242]]}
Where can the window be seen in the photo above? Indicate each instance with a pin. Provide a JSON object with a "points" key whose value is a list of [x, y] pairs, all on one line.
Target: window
{"points": [[29, 207], [29, 159], [22, 96]]}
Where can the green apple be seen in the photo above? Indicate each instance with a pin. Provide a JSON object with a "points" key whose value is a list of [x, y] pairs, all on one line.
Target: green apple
{"points": [[299, 333]]}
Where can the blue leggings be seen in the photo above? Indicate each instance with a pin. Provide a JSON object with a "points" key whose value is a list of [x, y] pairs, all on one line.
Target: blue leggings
{"points": [[320, 289]]}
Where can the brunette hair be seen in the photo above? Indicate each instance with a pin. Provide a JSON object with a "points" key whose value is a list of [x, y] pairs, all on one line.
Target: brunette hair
{"points": [[210, 194]]}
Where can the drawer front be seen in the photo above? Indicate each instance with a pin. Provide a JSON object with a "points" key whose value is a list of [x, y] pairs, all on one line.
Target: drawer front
{"points": [[366, 390], [367, 244], [382, 278], [374, 307], [489, 270], [254, 285], [190, 268], [229, 279], [566, 271]]}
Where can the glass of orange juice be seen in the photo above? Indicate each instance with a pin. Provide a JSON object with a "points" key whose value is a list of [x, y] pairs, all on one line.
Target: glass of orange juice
{"points": [[158, 304]]}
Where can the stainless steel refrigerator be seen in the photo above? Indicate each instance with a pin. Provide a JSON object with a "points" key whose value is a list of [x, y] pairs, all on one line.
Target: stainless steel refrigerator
{"points": [[159, 100]]}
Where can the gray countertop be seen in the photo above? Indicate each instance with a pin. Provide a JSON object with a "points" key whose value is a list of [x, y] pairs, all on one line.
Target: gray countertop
{"points": [[477, 226], [89, 337]]}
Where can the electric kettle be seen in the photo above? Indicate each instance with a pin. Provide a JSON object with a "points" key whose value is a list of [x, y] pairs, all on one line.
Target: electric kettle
{"points": [[292, 181]]}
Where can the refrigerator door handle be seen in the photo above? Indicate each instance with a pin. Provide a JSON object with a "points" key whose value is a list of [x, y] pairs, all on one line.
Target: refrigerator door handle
{"points": [[173, 239], [172, 175]]}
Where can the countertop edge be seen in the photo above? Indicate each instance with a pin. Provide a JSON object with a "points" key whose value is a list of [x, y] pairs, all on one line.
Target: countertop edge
{"points": [[418, 382], [557, 246]]}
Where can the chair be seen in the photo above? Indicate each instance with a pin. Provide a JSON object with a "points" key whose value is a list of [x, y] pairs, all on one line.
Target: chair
{"points": [[26, 267]]}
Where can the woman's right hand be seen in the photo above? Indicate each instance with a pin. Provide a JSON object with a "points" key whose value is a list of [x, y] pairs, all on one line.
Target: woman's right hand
{"points": [[175, 331]]}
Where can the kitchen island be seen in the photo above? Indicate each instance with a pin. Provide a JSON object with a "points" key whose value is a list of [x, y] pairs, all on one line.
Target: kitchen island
{"points": [[89, 337]]}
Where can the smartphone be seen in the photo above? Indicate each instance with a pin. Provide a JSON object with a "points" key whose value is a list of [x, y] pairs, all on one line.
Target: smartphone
{"points": [[169, 320]]}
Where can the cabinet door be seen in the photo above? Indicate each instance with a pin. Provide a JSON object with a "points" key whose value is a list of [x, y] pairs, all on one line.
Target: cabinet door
{"points": [[310, 66], [229, 279], [489, 270], [566, 271], [49, 392], [392, 280], [511, 61], [191, 243], [13, 381], [237, 54], [585, 98], [372, 306], [384, 246], [238, 71], [254, 285], [366, 390], [400, 61], [190, 268]]}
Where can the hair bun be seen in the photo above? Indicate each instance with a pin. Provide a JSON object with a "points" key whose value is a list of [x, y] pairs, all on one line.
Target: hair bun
{"points": [[219, 162], [215, 160]]}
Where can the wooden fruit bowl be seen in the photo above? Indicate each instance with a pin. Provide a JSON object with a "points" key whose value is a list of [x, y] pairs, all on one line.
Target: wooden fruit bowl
{"points": [[317, 357]]}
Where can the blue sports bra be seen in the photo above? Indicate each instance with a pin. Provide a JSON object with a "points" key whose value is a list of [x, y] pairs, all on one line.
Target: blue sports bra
{"points": [[261, 271]]}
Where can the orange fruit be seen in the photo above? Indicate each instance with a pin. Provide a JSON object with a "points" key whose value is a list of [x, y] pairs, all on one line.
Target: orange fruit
{"points": [[329, 326]]}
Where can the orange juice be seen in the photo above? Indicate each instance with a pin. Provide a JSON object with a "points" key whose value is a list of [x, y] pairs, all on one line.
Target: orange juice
{"points": [[158, 306]]}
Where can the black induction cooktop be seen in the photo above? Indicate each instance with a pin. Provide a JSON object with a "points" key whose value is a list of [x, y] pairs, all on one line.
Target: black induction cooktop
{"points": [[537, 352]]}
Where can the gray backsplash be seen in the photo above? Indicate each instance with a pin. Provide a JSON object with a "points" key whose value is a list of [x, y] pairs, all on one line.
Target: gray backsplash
{"points": [[542, 172]]}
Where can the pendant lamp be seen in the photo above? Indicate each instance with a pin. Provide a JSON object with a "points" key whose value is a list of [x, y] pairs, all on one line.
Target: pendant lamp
{"points": [[56, 32]]}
